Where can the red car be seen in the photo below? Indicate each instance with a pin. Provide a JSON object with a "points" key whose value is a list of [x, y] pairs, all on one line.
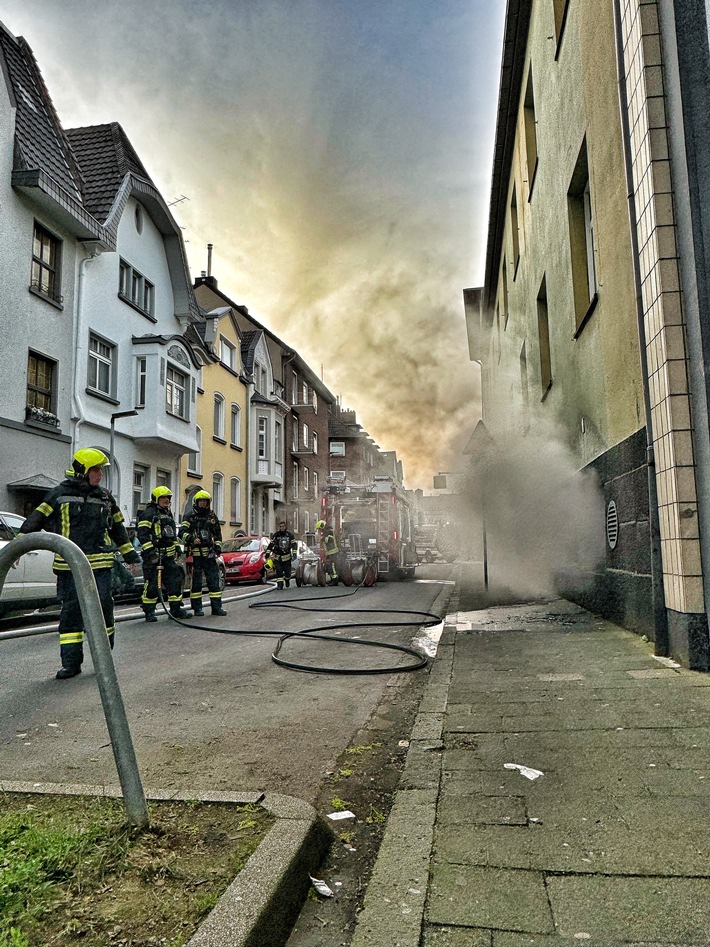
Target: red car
{"points": [[245, 559]]}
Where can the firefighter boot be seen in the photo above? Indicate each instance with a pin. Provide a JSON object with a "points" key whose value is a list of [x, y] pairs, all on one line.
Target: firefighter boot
{"points": [[177, 611], [216, 604], [150, 613], [63, 673], [196, 605]]}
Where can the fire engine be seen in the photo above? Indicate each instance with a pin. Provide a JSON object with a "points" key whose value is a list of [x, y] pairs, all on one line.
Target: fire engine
{"points": [[373, 525]]}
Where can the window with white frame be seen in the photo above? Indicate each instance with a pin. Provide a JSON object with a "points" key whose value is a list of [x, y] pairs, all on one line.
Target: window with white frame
{"points": [[235, 500], [294, 480], [294, 434], [218, 428], [175, 392], [263, 442], [235, 431], [218, 494], [135, 289], [304, 393], [228, 353], [337, 448], [305, 437], [294, 388], [101, 365], [46, 264], [194, 458], [305, 478], [315, 483], [140, 489], [278, 440], [314, 441], [141, 380], [163, 478]]}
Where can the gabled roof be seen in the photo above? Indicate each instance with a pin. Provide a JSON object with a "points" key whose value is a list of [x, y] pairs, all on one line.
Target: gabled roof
{"points": [[105, 156], [250, 340], [40, 141]]}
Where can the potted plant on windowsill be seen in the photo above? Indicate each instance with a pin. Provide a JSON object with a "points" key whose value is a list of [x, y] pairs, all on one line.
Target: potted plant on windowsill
{"points": [[41, 417]]}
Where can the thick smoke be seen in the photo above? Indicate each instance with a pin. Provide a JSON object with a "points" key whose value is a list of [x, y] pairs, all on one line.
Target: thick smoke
{"points": [[543, 518]]}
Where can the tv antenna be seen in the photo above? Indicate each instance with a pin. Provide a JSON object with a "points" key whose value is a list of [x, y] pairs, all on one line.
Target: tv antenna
{"points": [[179, 200]]}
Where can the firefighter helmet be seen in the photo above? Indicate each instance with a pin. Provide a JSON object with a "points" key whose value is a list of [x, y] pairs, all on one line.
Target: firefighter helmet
{"points": [[85, 459], [159, 492], [201, 495], [320, 524]]}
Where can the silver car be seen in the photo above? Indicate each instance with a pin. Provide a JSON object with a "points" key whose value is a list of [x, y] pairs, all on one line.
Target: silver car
{"points": [[30, 583]]}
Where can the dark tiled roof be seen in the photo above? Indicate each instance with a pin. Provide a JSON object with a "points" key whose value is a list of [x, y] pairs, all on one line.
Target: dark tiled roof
{"points": [[105, 156], [40, 142], [249, 341], [340, 429]]}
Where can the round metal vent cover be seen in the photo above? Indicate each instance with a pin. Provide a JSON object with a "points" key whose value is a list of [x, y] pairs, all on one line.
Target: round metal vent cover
{"points": [[612, 525]]}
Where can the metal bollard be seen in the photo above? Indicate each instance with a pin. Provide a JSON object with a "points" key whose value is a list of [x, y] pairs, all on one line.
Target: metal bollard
{"points": [[95, 629]]}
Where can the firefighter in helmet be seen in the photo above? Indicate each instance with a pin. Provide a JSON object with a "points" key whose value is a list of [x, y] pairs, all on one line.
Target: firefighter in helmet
{"points": [[281, 548], [81, 510], [157, 534], [331, 550], [202, 535]]}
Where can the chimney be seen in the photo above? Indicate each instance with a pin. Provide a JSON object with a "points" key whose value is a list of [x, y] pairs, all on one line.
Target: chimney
{"points": [[209, 259]]}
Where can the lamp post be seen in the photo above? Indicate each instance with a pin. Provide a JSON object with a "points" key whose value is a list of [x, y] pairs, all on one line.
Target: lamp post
{"points": [[114, 417]]}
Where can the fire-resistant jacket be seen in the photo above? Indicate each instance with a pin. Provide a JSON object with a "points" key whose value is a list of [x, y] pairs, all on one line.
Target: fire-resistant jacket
{"points": [[282, 544], [87, 515], [329, 542], [201, 533], [157, 532]]}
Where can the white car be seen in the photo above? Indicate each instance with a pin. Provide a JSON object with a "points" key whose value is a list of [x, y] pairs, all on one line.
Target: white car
{"points": [[30, 582]]}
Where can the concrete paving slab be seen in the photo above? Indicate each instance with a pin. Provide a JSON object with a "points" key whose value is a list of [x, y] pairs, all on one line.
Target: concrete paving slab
{"points": [[477, 809], [618, 910], [485, 897], [456, 937]]}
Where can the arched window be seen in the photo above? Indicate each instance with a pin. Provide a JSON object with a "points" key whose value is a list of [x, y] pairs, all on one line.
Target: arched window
{"points": [[235, 500], [219, 416], [218, 494], [235, 434]]}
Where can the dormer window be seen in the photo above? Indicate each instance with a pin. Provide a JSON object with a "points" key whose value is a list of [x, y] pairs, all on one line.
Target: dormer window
{"points": [[135, 289]]}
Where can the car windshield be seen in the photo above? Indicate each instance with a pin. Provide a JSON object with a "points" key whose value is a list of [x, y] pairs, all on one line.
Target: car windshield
{"points": [[242, 544]]}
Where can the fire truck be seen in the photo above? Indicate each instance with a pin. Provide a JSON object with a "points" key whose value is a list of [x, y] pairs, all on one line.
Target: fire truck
{"points": [[373, 525]]}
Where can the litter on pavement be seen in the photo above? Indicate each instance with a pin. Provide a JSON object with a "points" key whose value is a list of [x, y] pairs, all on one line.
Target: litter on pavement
{"points": [[526, 771]]}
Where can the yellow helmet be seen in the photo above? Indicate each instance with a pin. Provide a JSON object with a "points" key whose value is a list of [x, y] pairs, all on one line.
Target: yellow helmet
{"points": [[320, 524], [159, 492], [85, 459], [201, 495]]}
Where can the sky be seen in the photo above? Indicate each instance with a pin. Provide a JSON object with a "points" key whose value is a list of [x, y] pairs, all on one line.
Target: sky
{"points": [[336, 153]]}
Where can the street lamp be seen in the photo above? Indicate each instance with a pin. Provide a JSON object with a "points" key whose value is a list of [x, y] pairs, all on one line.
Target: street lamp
{"points": [[114, 418]]}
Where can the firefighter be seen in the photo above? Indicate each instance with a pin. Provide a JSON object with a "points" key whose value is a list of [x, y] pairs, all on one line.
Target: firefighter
{"points": [[201, 533], [331, 551], [157, 535], [281, 548], [81, 510]]}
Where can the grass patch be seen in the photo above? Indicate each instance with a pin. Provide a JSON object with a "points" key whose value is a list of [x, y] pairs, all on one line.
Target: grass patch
{"points": [[72, 872]]}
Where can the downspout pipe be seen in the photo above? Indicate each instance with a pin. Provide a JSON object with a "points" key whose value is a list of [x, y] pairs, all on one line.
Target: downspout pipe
{"points": [[93, 251], [660, 614]]}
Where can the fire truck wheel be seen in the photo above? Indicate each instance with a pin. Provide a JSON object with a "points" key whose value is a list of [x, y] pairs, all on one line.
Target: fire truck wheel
{"points": [[347, 575], [299, 575], [370, 577]]}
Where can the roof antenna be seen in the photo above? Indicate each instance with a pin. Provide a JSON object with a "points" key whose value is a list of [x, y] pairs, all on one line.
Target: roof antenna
{"points": [[209, 259]]}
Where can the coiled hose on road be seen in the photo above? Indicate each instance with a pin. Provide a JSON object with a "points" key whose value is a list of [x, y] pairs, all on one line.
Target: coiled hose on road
{"points": [[316, 632]]}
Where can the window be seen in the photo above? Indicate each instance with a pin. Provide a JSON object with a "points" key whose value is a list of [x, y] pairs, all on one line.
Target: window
{"points": [[315, 483], [262, 380], [175, 393], [294, 435], [305, 478], [227, 353], [294, 388], [262, 438], [530, 132], [581, 238], [278, 440], [235, 500], [135, 289], [337, 448], [194, 458], [162, 478], [515, 232], [101, 365], [40, 384], [218, 495], [295, 480], [543, 330], [235, 432], [141, 380], [218, 429], [305, 437], [304, 393], [46, 264], [315, 442], [140, 489]]}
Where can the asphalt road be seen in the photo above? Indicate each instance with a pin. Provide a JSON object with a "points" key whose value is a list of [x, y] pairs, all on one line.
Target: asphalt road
{"points": [[213, 711]]}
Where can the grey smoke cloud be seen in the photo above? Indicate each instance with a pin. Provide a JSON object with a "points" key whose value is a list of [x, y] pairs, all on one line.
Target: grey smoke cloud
{"points": [[336, 154]]}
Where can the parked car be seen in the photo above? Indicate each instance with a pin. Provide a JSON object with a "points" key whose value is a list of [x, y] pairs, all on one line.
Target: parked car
{"points": [[30, 582], [245, 559]]}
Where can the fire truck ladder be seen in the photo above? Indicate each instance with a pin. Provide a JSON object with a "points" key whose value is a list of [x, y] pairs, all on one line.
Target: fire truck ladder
{"points": [[383, 533]]}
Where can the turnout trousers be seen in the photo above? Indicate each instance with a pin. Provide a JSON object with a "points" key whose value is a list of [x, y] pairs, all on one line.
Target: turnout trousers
{"points": [[172, 582], [71, 622], [282, 568], [205, 569]]}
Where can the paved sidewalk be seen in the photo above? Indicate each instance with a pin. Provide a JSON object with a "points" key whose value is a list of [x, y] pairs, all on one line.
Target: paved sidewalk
{"points": [[609, 846]]}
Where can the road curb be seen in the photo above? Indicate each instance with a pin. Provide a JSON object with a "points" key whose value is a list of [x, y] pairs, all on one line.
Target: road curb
{"points": [[260, 906]]}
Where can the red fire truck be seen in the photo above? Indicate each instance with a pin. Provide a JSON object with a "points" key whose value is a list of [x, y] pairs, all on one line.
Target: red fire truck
{"points": [[373, 525]]}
